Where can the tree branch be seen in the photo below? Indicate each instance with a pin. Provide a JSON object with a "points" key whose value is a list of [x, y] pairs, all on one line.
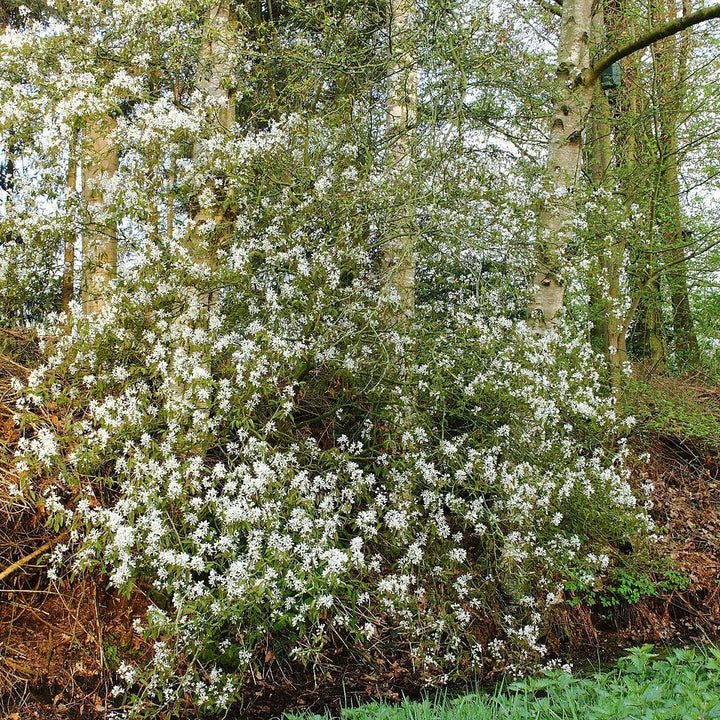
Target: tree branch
{"points": [[625, 323], [550, 7], [659, 32]]}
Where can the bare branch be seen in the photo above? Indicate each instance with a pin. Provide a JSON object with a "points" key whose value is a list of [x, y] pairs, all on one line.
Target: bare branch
{"points": [[37, 553]]}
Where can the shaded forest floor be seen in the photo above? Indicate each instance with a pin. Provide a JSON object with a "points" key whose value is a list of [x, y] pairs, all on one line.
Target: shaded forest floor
{"points": [[60, 641]]}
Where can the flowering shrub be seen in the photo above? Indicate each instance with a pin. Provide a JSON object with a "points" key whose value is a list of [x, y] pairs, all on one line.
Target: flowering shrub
{"points": [[260, 521], [255, 438], [282, 467]]}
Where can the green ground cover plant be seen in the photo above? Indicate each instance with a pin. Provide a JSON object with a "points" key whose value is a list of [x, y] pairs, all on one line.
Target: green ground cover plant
{"points": [[679, 409], [647, 684]]}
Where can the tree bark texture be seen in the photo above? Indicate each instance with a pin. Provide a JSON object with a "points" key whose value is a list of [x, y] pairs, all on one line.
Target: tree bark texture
{"points": [[577, 79], [68, 278], [213, 81], [671, 59], [99, 246], [398, 257], [558, 211]]}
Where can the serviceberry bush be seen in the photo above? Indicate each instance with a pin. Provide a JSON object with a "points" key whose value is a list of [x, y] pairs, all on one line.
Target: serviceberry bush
{"points": [[283, 467], [254, 433]]}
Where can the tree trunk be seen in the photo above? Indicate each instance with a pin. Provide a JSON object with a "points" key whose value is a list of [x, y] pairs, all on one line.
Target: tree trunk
{"points": [[194, 360], [216, 63], [686, 346], [68, 278], [398, 258], [570, 109], [648, 332], [623, 112], [212, 81], [558, 211], [99, 246], [670, 69], [599, 160]]}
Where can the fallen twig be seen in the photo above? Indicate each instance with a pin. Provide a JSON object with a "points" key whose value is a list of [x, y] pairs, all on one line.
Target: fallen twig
{"points": [[24, 669], [12, 366], [36, 553]]}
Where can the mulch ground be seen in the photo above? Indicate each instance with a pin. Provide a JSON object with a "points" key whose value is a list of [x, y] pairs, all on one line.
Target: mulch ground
{"points": [[58, 639]]}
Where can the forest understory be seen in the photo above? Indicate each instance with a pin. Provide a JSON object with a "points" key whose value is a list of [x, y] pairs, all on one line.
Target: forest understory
{"points": [[63, 639]]}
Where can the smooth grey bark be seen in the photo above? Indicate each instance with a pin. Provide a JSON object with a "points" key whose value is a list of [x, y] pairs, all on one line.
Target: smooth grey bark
{"points": [[558, 211], [213, 80], [398, 256]]}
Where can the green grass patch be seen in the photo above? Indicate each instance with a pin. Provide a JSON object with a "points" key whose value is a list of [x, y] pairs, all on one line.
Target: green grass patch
{"points": [[677, 408], [648, 684]]}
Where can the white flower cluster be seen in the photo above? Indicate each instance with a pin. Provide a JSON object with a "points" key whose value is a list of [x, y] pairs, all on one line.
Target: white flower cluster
{"points": [[251, 524]]}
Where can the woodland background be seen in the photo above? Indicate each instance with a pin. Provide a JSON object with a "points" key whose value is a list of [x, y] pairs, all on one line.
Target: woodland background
{"points": [[372, 343]]}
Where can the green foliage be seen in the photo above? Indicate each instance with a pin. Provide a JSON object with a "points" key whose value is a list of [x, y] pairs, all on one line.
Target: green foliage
{"points": [[682, 685], [706, 311], [112, 653], [673, 581], [627, 585], [678, 409], [629, 588], [328, 494]]}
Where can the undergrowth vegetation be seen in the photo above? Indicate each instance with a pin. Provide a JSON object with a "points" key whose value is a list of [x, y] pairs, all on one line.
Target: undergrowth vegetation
{"points": [[296, 395], [646, 684], [261, 446], [685, 409]]}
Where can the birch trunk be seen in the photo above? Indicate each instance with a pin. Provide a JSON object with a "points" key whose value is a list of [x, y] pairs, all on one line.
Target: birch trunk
{"points": [[558, 211], [398, 258], [565, 146], [99, 245], [194, 359], [213, 82], [68, 278], [215, 66]]}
